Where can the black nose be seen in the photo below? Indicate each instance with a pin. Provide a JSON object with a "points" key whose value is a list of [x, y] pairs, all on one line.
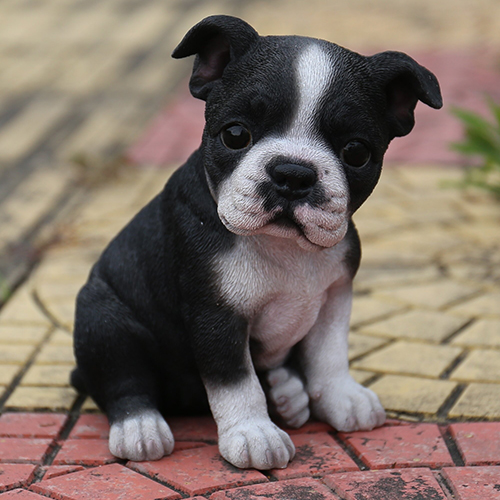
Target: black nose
{"points": [[293, 182]]}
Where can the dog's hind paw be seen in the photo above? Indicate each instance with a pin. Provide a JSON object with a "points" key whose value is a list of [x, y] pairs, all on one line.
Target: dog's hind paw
{"points": [[257, 444], [289, 396], [143, 436]]}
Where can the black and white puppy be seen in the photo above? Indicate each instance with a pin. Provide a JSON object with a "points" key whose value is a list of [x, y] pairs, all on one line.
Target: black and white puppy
{"points": [[242, 267]]}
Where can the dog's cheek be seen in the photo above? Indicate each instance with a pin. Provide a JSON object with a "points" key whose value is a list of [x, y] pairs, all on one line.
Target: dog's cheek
{"points": [[361, 183]]}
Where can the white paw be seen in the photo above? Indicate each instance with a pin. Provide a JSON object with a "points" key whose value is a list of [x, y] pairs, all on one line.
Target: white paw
{"points": [[289, 396], [257, 444], [145, 436], [348, 406]]}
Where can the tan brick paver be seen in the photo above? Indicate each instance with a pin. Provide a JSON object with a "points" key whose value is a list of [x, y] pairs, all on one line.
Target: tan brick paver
{"points": [[411, 394], [482, 333], [478, 401], [417, 325], [410, 358]]}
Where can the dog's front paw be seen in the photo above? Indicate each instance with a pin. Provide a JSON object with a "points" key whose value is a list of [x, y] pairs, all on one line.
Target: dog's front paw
{"points": [[348, 406], [257, 444], [144, 436], [289, 396]]}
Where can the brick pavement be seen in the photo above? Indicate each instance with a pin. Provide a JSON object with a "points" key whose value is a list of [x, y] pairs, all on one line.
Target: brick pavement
{"points": [[426, 321], [400, 461]]}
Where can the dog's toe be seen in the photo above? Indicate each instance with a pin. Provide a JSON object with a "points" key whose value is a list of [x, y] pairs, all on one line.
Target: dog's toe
{"points": [[144, 436]]}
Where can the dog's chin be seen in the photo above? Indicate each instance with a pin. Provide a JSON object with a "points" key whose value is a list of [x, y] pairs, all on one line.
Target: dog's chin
{"points": [[284, 227]]}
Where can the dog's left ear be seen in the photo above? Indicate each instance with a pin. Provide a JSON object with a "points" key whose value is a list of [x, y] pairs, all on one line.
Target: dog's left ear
{"points": [[405, 83], [217, 41]]}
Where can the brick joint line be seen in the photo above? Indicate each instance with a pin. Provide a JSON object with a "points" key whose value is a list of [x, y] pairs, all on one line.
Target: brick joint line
{"points": [[452, 446]]}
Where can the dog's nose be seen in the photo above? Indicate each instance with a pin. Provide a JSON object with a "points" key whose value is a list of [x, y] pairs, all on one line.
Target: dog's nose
{"points": [[293, 182]]}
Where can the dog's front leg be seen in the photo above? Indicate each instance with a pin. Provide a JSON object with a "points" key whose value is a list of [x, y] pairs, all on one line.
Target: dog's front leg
{"points": [[335, 397], [247, 437]]}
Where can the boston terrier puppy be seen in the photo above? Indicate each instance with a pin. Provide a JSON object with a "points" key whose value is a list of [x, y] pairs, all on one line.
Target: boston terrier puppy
{"points": [[232, 288]]}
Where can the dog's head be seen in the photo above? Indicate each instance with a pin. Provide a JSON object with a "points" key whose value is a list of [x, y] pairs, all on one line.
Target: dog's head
{"points": [[296, 128]]}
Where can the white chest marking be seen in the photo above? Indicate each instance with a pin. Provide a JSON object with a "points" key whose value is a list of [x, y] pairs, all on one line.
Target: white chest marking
{"points": [[279, 288]]}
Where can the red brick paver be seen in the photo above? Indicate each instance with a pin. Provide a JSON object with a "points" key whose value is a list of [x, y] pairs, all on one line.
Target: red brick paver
{"points": [[110, 482], [474, 483], [403, 484], [401, 446], [404, 452], [478, 442], [15, 475], [85, 452], [198, 471], [31, 425], [21, 495], [193, 428], [296, 489], [315, 454], [60, 470], [23, 450], [90, 426]]}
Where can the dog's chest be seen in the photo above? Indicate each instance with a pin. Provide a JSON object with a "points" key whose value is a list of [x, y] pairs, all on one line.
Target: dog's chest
{"points": [[279, 288]]}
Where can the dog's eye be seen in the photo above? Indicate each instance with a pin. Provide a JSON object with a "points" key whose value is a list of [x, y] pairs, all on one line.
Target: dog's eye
{"points": [[355, 154], [235, 136]]}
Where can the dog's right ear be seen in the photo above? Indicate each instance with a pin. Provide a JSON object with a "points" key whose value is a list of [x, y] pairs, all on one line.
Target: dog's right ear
{"points": [[217, 41]]}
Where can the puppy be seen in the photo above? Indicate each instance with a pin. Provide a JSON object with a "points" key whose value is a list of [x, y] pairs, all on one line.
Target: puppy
{"points": [[242, 266]]}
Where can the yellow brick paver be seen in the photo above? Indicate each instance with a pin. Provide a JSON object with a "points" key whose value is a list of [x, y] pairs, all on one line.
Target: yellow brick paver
{"points": [[41, 398], [481, 365], [23, 334], [363, 344], [47, 375], [15, 354], [482, 333], [365, 309], [432, 295], [418, 325], [55, 354], [22, 309], [487, 305], [7, 373], [412, 394], [478, 401], [410, 358]]}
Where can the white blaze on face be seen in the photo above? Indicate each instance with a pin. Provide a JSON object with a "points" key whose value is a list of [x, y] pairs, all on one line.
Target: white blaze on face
{"points": [[240, 205]]}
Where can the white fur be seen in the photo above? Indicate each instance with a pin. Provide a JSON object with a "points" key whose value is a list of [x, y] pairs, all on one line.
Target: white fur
{"points": [[335, 397], [289, 396], [144, 436], [279, 288], [240, 207], [247, 437]]}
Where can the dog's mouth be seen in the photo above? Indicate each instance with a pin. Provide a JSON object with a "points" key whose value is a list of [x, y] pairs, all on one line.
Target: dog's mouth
{"points": [[281, 225]]}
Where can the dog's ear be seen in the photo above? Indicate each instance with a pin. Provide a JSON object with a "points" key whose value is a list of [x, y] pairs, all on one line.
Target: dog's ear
{"points": [[217, 41], [405, 82]]}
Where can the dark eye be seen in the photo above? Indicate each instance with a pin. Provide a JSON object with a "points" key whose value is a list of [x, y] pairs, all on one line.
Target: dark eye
{"points": [[235, 136], [355, 154]]}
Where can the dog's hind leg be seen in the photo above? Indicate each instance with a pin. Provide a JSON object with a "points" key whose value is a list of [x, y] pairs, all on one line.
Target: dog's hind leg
{"points": [[115, 365]]}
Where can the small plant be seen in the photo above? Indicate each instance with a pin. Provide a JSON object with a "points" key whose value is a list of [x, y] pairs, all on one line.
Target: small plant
{"points": [[482, 141]]}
